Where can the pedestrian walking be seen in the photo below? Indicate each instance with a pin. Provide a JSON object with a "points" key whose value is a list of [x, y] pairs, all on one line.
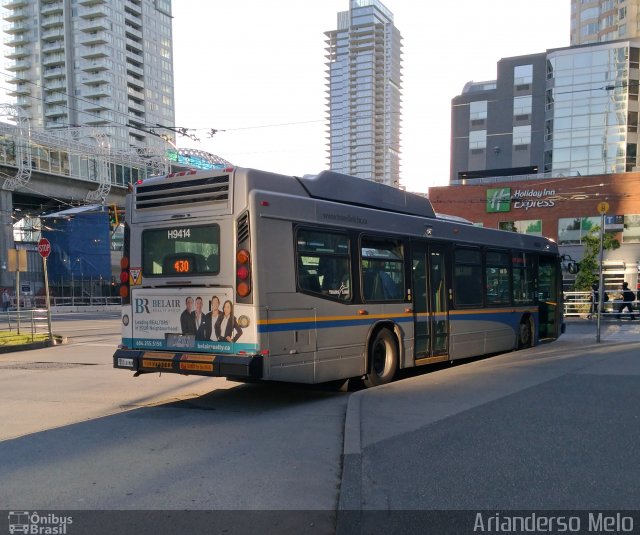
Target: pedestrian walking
{"points": [[628, 297], [6, 300]]}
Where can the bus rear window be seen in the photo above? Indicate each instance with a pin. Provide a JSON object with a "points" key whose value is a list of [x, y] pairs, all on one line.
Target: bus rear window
{"points": [[181, 250]]}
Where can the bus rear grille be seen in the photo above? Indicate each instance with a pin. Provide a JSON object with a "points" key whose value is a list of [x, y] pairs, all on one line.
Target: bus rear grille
{"points": [[243, 227], [213, 189]]}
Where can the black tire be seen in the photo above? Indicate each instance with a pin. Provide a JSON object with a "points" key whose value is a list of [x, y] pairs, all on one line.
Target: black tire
{"points": [[525, 334], [383, 359]]}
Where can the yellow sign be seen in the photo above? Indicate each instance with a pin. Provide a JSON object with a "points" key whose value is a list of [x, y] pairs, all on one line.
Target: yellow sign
{"points": [[135, 276], [196, 366], [603, 207], [157, 364]]}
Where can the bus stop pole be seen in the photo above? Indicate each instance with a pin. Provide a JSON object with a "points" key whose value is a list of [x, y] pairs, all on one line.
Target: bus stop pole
{"points": [[46, 293], [600, 277]]}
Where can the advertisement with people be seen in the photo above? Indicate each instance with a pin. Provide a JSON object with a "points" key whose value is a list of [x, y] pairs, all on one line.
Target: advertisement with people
{"points": [[200, 320]]}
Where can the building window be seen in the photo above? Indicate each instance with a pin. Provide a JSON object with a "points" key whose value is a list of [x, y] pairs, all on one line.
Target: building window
{"points": [[467, 272], [478, 110], [382, 263], [522, 105], [631, 232], [532, 227], [497, 278], [571, 230], [522, 75], [522, 135], [477, 139], [323, 264]]}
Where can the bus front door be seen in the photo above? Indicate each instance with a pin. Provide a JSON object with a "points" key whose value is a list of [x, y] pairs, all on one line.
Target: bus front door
{"points": [[430, 304]]}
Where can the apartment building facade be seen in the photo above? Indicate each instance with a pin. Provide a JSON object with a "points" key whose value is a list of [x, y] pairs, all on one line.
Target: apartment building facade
{"points": [[597, 21], [566, 112], [101, 63], [364, 85]]}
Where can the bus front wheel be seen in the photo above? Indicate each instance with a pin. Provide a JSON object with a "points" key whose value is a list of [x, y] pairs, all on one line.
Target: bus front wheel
{"points": [[525, 333], [383, 359]]}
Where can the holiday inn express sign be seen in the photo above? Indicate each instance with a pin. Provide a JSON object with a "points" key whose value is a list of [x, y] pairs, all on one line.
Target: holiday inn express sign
{"points": [[500, 199]]}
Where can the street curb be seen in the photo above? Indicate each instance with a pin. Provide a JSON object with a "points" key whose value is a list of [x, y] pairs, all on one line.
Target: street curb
{"points": [[351, 480], [57, 341]]}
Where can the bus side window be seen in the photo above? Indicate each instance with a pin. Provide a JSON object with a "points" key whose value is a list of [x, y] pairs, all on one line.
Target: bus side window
{"points": [[308, 281]]}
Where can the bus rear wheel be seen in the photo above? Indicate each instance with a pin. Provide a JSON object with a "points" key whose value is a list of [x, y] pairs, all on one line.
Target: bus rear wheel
{"points": [[383, 359], [525, 333]]}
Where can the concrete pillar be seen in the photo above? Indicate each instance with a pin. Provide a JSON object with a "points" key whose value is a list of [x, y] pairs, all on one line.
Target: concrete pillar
{"points": [[7, 280]]}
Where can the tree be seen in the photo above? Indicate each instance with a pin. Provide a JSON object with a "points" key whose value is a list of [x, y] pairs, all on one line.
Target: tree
{"points": [[589, 265]]}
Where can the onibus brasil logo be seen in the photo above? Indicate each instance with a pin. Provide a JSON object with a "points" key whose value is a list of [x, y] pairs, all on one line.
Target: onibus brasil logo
{"points": [[38, 524]]}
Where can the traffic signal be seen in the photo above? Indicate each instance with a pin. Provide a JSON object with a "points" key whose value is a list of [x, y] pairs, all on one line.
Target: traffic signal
{"points": [[113, 216]]}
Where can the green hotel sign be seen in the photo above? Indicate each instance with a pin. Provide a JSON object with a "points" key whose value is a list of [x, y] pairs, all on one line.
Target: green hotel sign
{"points": [[498, 200]]}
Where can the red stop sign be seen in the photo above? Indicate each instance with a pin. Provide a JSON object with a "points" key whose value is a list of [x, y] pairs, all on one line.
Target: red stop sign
{"points": [[44, 247]]}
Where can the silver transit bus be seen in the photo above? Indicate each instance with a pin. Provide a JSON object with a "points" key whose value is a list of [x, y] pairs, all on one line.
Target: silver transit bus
{"points": [[253, 275]]}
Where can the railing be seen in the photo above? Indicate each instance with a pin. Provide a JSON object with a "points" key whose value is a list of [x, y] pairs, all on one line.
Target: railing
{"points": [[37, 302], [579, 304], [28, 323]]}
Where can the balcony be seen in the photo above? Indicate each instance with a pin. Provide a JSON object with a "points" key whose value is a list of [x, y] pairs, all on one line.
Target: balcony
{"points": [[101, 117], [94, 52], [53, 34], [18, 52], [17, 39], [51, 9], [12, 4], [16, 27], [135, 82], [92, 106], [133, 32], [21, 89], [90, 2], [134, 106], [102, 77], [135, 93], [24, 101], [94, 11], [17, 14], [59, 84], [56, 98], [94, 38], [19, 65], [52, 60], [94, 25], [52, 21], [96, 91], [55, 111], [95, 65], [55, 72], [53, 47], [133, 69]]}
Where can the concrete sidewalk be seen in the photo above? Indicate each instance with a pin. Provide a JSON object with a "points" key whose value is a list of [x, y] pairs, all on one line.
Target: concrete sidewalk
{"points": [[551, 427]]}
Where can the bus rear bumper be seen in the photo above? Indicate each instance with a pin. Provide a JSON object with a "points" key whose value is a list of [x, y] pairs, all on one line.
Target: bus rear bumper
{"points": [[141, 361]]}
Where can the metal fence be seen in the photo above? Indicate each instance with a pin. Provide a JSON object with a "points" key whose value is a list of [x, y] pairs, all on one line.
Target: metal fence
{"points": [[579, 304], [30, 323]]}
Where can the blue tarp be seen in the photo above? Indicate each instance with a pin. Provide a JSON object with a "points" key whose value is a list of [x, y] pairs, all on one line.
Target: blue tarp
{"points": [[80, 245]]}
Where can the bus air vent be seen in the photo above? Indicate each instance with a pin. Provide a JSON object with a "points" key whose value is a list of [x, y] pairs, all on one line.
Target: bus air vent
{"points": [[243, 227], [212, 189]]}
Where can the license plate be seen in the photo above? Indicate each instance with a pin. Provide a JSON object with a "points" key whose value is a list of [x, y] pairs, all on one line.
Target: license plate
{"points": [[127, 363]]}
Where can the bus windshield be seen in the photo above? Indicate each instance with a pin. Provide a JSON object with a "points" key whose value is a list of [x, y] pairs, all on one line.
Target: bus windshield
{"points": [[181, 250]]}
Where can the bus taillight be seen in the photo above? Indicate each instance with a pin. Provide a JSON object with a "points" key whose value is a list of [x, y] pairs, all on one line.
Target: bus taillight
{"points": [[124, 279], [243, 273]]}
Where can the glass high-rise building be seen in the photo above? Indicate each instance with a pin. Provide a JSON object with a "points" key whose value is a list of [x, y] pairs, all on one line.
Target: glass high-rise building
{"points": [[364, 93], [597, 21], [101, 63]]}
